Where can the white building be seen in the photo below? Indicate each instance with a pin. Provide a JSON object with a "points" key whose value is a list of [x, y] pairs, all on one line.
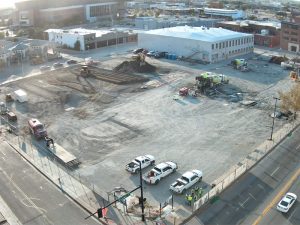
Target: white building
{"points": [[90, 39], [206, 44], [233, 14]]}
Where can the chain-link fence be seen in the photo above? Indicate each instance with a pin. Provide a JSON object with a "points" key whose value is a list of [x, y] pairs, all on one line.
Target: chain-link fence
{"points": [[239, 169]]}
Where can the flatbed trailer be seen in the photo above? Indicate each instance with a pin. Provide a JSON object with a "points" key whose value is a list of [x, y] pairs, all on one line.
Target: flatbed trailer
{"points": [[64, 156]]}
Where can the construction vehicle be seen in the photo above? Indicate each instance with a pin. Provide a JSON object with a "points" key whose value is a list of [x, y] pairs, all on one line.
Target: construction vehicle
{"points": [[3, 108], [8, 98], [294, 75], [37, 128], [240, 64], [140, 57], [85, 71], [11, 116], [183, 91], [210, 80]]}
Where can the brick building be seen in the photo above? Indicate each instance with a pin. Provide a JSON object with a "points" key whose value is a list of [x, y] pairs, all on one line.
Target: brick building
{"points": [[290, 35], [266, 33], [34, 12]]}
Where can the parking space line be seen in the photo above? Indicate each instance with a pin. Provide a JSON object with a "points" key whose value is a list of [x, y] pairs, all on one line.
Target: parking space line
{"points": [[252, 196], [277, 197], [275, 171], [242, 204]]}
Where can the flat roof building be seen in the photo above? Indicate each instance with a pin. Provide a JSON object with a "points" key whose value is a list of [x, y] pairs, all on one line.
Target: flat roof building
{"points": [[231, 13], [206, 44], [89, 39]]}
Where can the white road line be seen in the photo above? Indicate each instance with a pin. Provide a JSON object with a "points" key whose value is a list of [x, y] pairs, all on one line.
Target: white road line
{"points": [[39, 209], [261, 187], [252, 196], [298, 147], [242, 204], [275, 171]]}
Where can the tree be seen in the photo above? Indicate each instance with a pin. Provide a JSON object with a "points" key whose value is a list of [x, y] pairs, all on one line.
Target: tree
{"points": [[290, 101], [77, 45]]}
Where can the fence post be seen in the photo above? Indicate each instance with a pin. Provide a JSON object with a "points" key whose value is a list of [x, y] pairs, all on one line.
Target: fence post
{"points": [[159, 209]]}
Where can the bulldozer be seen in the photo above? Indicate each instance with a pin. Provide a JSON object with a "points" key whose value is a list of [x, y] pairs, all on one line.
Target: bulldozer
{"points": [[85, 71], [139, 58]]}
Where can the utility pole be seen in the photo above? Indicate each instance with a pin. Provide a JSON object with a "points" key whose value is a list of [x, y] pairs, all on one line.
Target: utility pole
{"points": [[274, 115], [142, 192]]}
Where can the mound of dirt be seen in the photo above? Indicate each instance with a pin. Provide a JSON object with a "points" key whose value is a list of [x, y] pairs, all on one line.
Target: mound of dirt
{"points": [[135, 66]]}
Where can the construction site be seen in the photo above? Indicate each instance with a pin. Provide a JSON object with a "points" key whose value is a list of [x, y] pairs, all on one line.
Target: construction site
{"points": [[205, 117]]}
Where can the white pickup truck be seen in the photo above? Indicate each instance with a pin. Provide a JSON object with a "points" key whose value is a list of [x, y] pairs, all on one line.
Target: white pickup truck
{"points": [[160, 171], [134, 165], [187, 180]]}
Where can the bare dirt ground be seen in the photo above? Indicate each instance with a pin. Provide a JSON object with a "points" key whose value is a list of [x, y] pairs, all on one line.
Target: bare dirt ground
{"points": [[106, 125]]}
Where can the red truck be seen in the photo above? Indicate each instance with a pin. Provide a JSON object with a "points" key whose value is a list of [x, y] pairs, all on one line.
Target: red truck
{"points": [[37, 128]]}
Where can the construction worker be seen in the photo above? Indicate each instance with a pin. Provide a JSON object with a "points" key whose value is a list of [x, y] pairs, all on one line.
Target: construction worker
{"points": [[200, 192], [196, 193], [190, 199]]}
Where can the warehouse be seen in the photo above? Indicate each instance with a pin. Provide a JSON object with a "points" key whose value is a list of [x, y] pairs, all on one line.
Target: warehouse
{"points": [[206, 44]]}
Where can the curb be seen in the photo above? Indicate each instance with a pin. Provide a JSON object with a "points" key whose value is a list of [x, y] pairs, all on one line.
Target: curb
{"points": [[48, 178], [270, 150]]}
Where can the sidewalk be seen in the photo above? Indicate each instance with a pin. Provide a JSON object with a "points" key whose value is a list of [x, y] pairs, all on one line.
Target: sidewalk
{"points": [[91, 199], [7, 217], [88, 198]]}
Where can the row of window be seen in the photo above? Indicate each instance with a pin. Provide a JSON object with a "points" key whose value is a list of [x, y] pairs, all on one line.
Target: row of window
{"points": [[247, 49], [290, 39], [232, 43], [292, 33], [100, 10]]}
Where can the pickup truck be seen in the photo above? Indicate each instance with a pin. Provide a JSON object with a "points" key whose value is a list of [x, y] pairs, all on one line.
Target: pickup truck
{"points": [[134, 165], [160, 171], [187, 180]]}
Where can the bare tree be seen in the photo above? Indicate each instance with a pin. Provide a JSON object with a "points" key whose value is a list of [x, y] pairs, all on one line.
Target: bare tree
{"points": [[290, 101]]}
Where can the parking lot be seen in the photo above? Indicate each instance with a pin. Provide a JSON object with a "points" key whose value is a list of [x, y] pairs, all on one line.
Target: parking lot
{"points": [[106, 125]]}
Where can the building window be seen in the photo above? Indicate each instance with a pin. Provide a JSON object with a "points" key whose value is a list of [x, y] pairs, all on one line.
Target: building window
{"points": [[219, 45], [294, 33], [226, 44], [294, 39], [286, 32], [229, 43], [236, 42], [285, 38], [223, 44], [216, 45], [239, 41], [212, 46]]}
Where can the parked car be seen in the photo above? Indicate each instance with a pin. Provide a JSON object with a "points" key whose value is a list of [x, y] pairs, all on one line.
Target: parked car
{"points": [[134, 165], [151, 53], [286, 202], [160, 171], [45, 68], [58, 65], [71, 61], [187, 180], [160, 55], [138, 50]]}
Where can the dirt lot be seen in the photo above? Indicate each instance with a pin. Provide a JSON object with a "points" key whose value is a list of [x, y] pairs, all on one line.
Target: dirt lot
{"points": [[106, 124]]}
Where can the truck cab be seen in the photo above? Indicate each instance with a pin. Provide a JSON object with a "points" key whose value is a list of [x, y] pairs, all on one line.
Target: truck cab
{"points": [[160, 171], [37, 128]]}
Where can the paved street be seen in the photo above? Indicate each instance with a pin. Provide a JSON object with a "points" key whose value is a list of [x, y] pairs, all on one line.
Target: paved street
{"points": [[275, 217], [244, 202], [32, 198]]}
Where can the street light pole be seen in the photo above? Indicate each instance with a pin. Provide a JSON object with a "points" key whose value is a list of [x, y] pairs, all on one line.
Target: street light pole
{"points": [[274, 115], [142, 192]]}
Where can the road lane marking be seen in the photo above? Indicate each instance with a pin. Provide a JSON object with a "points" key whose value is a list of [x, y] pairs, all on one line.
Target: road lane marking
{"points": [[39, 209], [275, 171], [277, 197]]}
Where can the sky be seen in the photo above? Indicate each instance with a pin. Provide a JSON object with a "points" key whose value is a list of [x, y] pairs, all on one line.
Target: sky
{"points": [[7, 3]]}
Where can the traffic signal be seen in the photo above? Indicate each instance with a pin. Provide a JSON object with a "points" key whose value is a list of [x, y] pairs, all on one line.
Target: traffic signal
{"points": [[100, 214], [140, 200]]}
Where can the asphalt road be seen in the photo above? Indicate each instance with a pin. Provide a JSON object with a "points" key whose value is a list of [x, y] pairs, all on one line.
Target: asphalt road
{"points": [[31, 197], [275, 217], [253, 198]]}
